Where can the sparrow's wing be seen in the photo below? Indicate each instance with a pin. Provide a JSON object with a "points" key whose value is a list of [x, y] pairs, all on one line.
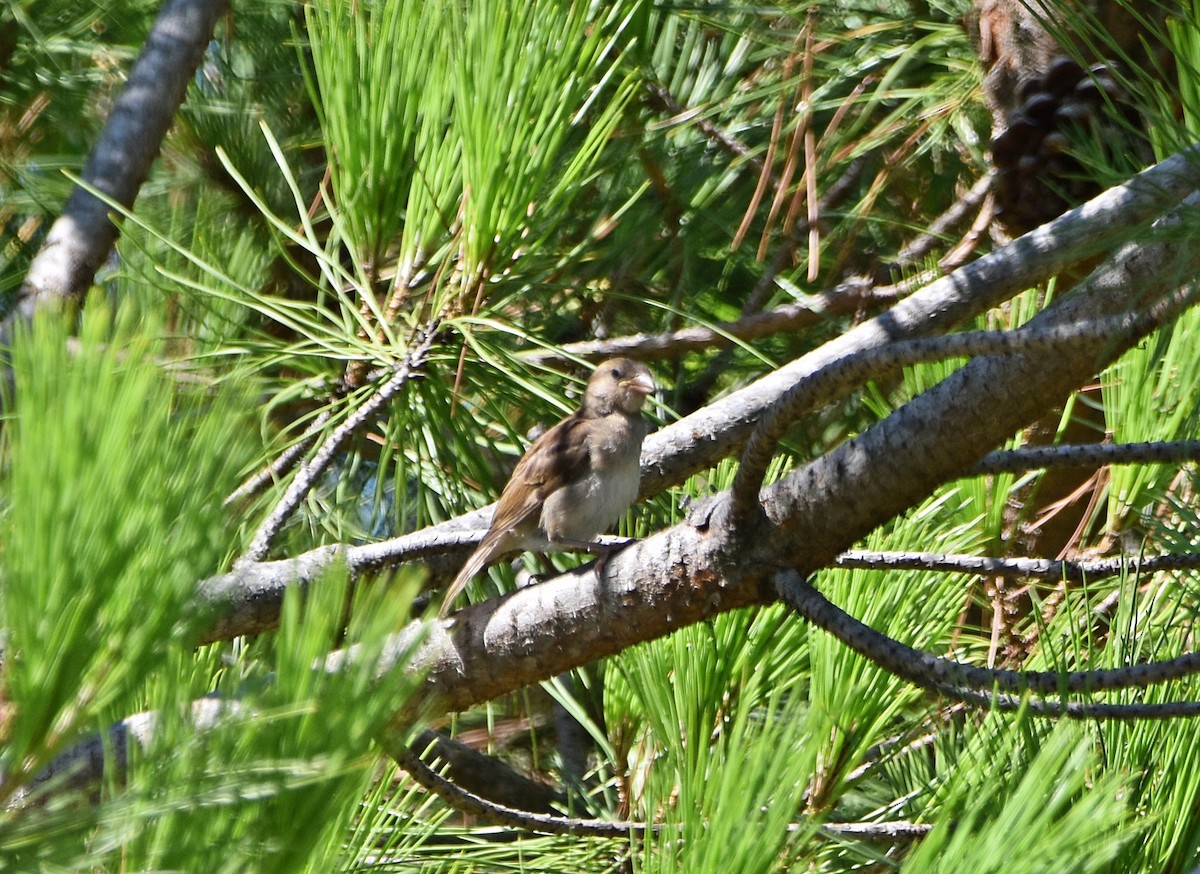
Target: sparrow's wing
{"points": [[558, 458]]}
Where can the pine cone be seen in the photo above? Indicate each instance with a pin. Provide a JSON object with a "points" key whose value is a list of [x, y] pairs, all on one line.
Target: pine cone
{"points": [[1037, 178]]}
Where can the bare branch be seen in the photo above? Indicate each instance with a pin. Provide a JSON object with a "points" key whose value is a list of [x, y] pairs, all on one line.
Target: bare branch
{"points": [[945, 223], [1087, 455], [306, 476], [247, 600], [848, 297], [286, 460], [840, 377], [487, 776], [968, 681], [1036, 568], [81, 238], [877, 831], [254, 591], [83, 765]]}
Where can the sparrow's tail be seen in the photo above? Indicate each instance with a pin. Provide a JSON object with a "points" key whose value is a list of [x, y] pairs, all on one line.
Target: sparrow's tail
{"points": [[478, 560]]}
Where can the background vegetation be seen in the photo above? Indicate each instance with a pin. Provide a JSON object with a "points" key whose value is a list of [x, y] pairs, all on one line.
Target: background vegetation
{"points": [[356, 184]]}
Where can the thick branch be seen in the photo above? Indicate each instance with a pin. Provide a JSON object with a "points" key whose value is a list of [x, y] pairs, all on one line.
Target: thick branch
{"points": [[254, 591], [722, 428], [841, 377], [690, 572], [939, 434]]}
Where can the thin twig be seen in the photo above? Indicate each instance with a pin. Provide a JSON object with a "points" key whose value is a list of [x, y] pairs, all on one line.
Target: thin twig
{"points": [[965, 248], [848, 297], [726, 141], [1071, 709], [307, 475], [971, 682], [920, 738], [958, 212], [283, 463], [1032, 568], [1086, 455]]}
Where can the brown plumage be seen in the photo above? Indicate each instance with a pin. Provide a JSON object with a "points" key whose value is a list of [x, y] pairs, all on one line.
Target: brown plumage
{"points": [[578, 477]]}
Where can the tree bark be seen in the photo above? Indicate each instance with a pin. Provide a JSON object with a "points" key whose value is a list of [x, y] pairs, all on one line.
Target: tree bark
{"points": [[706, 565]]}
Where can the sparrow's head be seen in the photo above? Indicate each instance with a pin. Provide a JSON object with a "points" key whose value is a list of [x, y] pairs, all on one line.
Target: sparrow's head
{"points": [[618, 384]]}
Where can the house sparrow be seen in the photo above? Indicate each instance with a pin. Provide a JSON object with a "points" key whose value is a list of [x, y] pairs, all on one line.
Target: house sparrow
{"points": [[578, 477]]}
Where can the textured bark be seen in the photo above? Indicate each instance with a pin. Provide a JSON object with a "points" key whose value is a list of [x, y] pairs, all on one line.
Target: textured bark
{"points": [[706, 565], [890, 467], [248, 598]]}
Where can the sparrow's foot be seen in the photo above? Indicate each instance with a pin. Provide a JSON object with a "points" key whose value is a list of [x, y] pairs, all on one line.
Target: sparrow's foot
{"points": [[593, 547], [607, 551]]}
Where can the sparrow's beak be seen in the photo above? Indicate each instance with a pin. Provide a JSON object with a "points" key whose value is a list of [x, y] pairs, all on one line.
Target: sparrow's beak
{"points": [[641, 384]]}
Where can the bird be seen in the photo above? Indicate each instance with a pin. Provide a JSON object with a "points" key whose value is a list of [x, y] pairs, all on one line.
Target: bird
{"points": [[576, 479]]}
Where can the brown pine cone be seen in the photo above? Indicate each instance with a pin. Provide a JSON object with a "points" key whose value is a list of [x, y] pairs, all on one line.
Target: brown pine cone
{"points": [[1037, 177]]}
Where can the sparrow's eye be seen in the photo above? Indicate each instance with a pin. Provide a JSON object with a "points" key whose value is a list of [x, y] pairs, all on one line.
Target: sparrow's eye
{"points": [[616, 372]]}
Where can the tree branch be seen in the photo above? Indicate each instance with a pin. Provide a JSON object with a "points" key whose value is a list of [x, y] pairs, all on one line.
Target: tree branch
{"points": [[700, 440], [848, 297], [958, 212], [251, 595], [501, 814], [81, 238], [407, 369], [939, 674], [487, 777], [1087, 455], [840, 377], [279, 466], [693, 570], [1036, 568]]}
